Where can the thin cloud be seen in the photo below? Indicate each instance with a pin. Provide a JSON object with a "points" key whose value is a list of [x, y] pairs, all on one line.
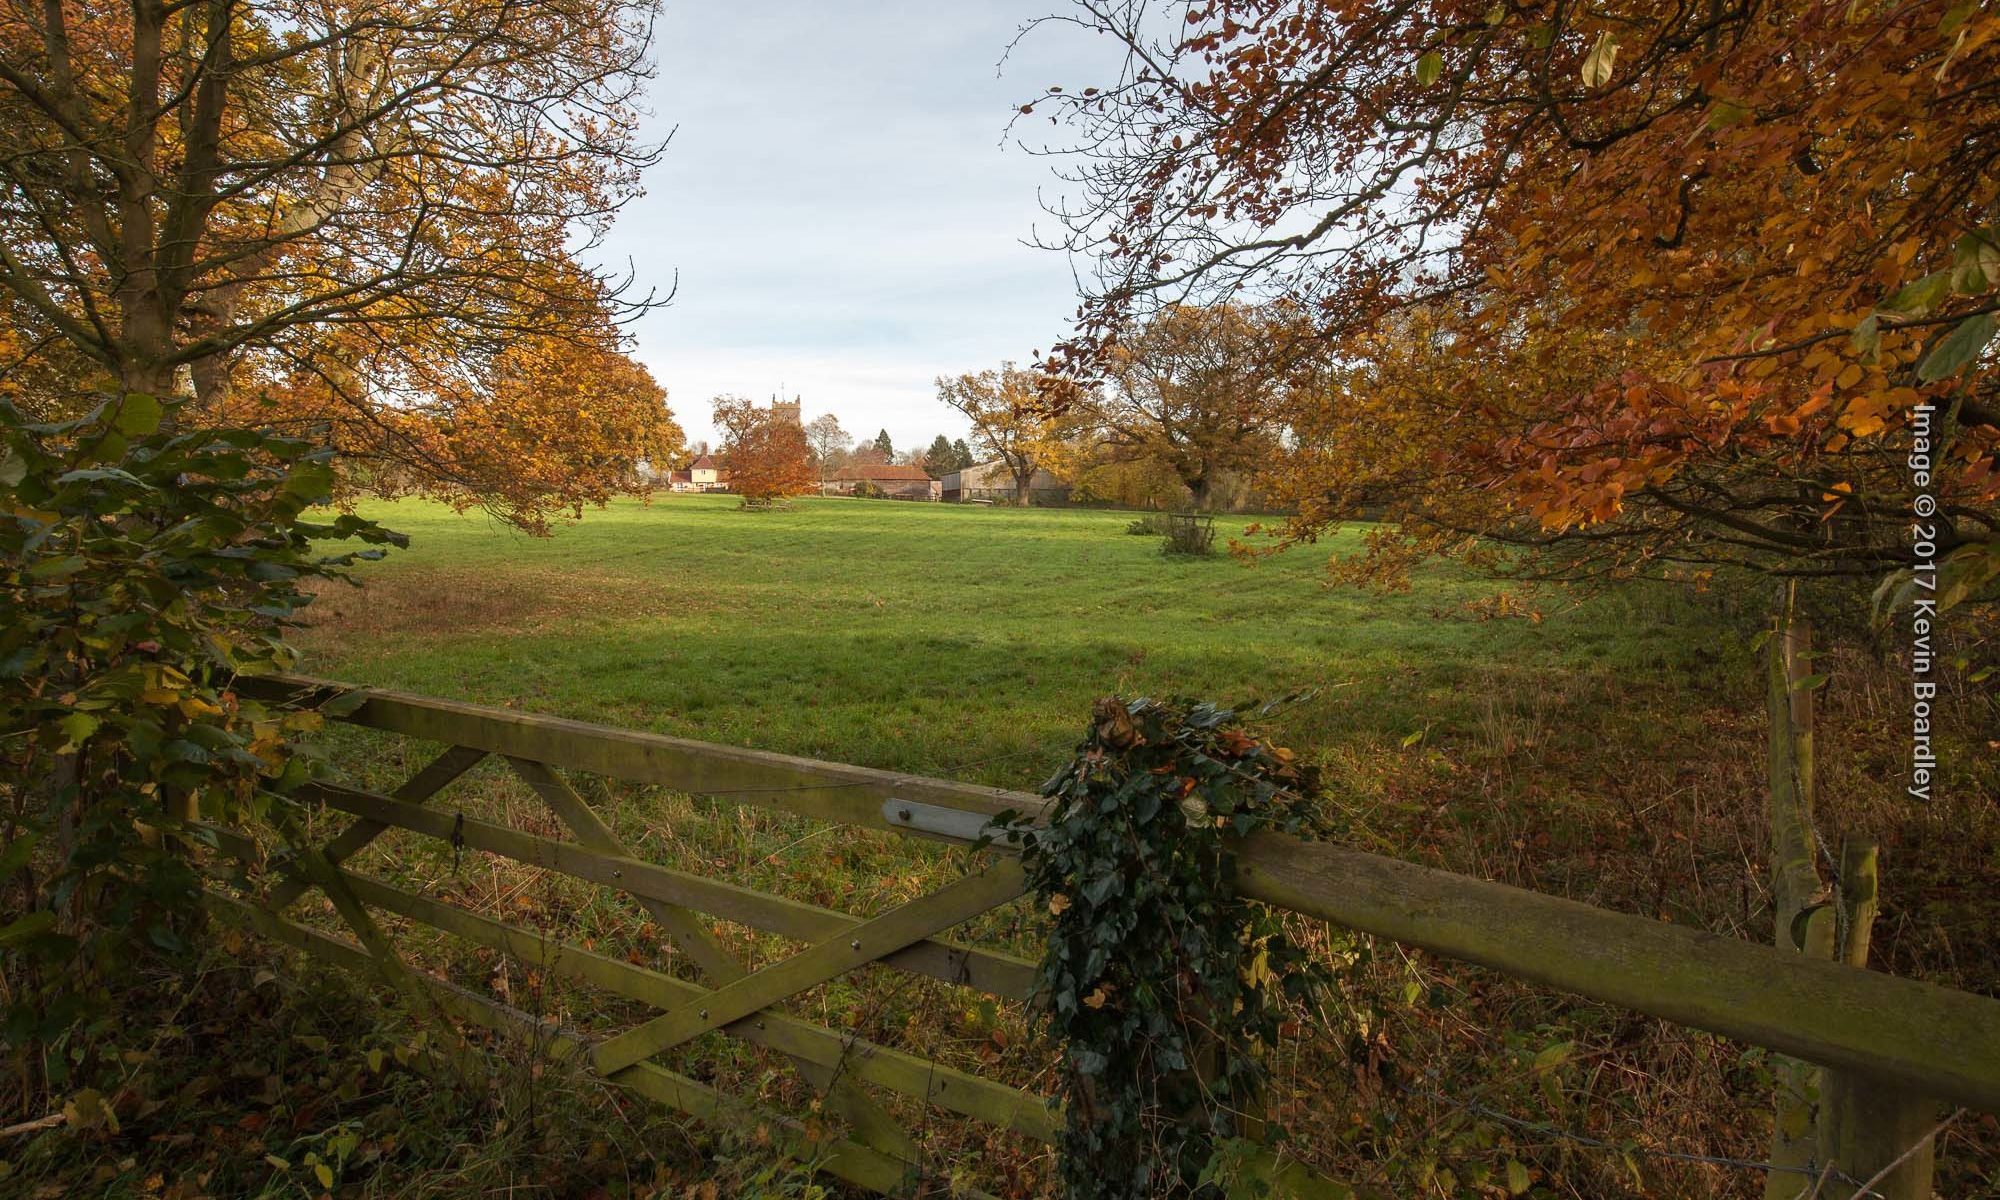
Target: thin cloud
{"points": [[839, 208]]}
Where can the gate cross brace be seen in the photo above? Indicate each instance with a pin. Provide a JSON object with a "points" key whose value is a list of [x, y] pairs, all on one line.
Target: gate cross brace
{"points": [[434, 778], [844, 1096], [954, 904], [315, 868]]}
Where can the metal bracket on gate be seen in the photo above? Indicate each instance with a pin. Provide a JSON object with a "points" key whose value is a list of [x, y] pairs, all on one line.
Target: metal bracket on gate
{"points": [[951, 824]]}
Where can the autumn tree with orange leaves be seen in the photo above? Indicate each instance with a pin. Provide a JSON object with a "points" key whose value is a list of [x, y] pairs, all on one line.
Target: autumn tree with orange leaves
{"points": [[1657, 288], [765, 450], [372, 215], [1019, 415], [1200, 391]]}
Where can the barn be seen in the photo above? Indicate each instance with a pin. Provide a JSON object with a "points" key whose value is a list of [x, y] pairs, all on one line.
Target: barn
{"points": [[889, 479]]}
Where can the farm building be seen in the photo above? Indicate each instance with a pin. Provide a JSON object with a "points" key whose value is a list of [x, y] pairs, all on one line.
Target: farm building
{"points": [[992, 481], [702, 475], [898, 482]]}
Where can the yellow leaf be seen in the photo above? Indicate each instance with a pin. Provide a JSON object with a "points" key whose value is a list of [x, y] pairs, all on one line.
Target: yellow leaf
{"points": [[1597, 64], [1058, 903]]}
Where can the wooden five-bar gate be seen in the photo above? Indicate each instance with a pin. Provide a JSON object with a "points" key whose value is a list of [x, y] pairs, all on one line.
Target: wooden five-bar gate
{"points": [[1910, 1047]]}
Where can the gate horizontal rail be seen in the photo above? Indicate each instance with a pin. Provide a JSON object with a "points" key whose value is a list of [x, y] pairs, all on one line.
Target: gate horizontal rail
{"points": [[1921, 1037]]}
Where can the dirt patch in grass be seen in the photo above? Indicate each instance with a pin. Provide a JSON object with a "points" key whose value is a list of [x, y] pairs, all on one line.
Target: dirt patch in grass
{"points": [[448, 601]]}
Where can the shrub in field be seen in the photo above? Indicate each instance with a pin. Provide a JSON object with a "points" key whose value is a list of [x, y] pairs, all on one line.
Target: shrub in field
{"points": [[146, 564], [1163, 986], [1150, 525]]}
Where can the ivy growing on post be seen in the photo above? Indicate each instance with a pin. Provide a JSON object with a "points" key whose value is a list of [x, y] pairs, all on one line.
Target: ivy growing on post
{"points": [[1163, 986]]}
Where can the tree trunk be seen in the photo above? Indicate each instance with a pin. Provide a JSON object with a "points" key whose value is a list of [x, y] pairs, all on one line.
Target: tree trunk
{"points": [[1023, 490], [152, 378], [211, 382]]}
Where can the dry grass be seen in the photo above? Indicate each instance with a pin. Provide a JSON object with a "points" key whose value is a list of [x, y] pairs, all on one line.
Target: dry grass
{"points": [[469, 601]]}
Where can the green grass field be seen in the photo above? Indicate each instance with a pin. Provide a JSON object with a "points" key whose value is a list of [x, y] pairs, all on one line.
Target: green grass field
{"points": [[950, 640], [1609, 749]]}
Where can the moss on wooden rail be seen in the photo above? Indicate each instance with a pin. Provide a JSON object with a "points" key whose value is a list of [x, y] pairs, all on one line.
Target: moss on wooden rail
{"points": [[1917, 1036]]}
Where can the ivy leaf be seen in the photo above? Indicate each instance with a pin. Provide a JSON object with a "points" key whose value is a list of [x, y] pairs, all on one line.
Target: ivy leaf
{"points": [[1597, 64], [77, 728], [14, 855], [1429, 67], [21, 929], [1959, 347], [58, 568]]}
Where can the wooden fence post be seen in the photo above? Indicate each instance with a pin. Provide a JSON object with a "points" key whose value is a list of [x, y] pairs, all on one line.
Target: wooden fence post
{"points": [[1867, 1126], [1795, 885]]}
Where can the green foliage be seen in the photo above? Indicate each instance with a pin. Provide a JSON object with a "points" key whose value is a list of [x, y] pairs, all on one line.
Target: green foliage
{"points": [[144, 568], [257, 1076], [1162, 985], [887, 447], [1150, 525], [941, 460]]}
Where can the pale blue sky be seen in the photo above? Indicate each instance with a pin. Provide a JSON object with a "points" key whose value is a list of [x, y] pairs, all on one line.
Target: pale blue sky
{"points": [[843, 206]]}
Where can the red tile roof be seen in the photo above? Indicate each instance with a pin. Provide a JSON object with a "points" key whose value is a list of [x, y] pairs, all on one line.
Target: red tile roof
{"points": [[705, 463], [880, 471]]}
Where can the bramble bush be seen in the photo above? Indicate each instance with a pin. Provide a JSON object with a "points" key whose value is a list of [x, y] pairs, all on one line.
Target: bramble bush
{"points": [[144, 565]]}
